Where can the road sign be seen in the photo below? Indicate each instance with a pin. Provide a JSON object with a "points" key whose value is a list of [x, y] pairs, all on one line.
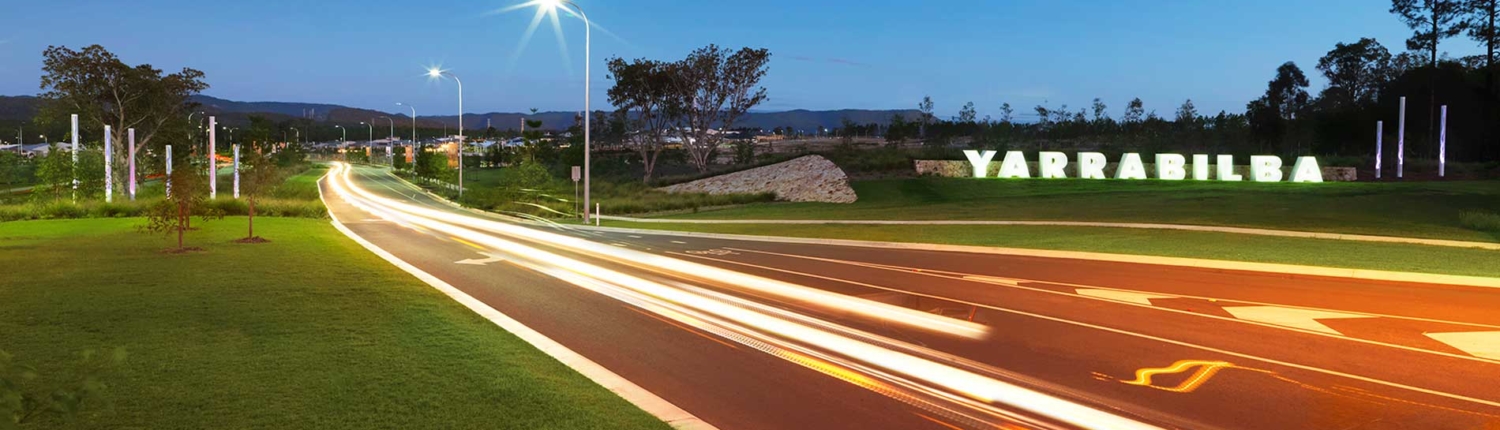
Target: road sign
{"points": [[577, 173]]}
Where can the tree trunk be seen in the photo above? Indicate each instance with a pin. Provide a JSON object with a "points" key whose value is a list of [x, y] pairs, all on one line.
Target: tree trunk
{"points": [[251, 233]]}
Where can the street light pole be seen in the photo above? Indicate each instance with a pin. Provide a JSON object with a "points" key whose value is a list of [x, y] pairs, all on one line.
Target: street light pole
{"points": [[345, 138], [438, 74], [413, 122], [390, 142], [587, 41]]}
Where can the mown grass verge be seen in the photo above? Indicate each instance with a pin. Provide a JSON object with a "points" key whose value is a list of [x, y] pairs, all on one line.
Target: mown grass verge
{"points": [[307, 331]]}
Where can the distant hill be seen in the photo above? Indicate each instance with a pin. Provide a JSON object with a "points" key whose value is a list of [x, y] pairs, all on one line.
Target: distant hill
{"points": [[22, 108]]}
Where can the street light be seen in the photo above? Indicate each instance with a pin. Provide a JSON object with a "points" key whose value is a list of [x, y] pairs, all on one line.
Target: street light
{"points": [[413, 121], [345, 138], [587, 36], [438, 73], [372, 130]]}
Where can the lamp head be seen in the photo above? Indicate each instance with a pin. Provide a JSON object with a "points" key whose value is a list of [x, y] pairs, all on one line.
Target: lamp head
{"points": [[434, 73]]}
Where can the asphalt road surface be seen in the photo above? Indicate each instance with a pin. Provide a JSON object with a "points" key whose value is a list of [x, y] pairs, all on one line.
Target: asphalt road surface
{"points": [[764, 335]]}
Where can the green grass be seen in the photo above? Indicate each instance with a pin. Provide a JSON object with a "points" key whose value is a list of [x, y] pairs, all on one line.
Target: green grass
{"points": [[1415, 209], [308, 331], [1215, 246], [1482, 221], [495, 190], [296, 197]]}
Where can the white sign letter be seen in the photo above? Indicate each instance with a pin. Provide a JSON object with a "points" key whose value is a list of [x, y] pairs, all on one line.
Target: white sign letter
{"points": [[1171, 167], [1265, 168], [1014, 165], [1131, 167], [1307, 170], [1053, 165], [1091, 165], [1226, 169], [1200, 167], [980, 161]]}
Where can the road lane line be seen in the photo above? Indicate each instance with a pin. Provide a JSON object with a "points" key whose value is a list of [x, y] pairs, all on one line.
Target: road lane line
{"points": [[1176, 342], [651, 403], [936, 274], [465, 242]]}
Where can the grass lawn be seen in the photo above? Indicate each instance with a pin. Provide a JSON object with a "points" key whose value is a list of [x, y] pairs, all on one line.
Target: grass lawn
{"points": [[1414, 209], [1215, 246], [308, 331], [494, 189]]}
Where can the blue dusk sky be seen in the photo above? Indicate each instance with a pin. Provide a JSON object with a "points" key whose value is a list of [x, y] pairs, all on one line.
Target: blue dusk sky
{"points": [[830, 54]]}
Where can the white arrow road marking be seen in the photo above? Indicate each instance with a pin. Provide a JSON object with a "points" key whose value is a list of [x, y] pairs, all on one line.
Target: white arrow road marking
{"points": [[1122, 296], [992, 280], [481, 261], [1483, 344], [1305, 319]]}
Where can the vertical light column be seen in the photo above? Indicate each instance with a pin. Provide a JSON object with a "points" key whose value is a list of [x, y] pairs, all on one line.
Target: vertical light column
{"points": [[1379, 148], [213, 163], [131, 185], [75, 156], [108, 183], [1443, 144], [1401, 143], [236, 171], [168, 179]]}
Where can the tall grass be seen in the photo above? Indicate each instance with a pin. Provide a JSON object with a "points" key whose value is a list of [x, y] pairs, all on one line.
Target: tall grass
{"points": [[296, 197]]}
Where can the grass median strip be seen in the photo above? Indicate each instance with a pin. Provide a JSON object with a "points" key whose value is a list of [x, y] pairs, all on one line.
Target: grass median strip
{"points": [[308, 331], [1185, 244]]}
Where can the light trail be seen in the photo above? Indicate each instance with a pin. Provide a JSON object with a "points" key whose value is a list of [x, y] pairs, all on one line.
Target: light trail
{"points": [[860, 358]]}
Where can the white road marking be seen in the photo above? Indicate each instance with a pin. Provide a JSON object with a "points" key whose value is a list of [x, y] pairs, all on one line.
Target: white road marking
{"points": [[1484, 344], [679, 242], [993, 280], [482, 261], [633, 236], [1158, 338], [1122, 296], [1305, 319]]}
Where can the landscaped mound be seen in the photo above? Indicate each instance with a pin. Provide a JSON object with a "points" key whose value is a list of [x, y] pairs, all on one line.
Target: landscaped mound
{"points": [[806, 179]]}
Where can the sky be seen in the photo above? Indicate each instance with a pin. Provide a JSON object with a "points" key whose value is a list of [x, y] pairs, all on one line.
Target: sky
{"points": [[830, 54]]}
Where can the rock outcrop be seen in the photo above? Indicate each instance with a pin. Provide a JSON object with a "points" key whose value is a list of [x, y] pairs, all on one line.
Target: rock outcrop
{"points": [[805, 179]]}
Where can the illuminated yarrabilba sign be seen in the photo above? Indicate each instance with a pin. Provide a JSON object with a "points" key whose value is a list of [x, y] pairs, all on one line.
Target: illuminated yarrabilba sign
{"points": [[1169, 167]]}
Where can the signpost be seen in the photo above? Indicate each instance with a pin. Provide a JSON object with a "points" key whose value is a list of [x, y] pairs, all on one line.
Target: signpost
{"points": [[577, 174]]}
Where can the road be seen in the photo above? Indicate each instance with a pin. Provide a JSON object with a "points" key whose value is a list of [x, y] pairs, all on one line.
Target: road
{"points": [[760, 335]]}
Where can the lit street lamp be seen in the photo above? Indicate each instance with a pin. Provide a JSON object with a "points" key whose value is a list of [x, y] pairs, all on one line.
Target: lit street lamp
{"points": [[390, 141], [436, 73], [587, 36], [345, 138]]}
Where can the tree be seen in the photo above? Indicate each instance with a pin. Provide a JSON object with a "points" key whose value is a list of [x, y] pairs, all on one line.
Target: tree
{"points": [[103, 90], [1355, 71], [1479, 24], [967, 115], [55, 172], [1101, 115], [925, 107], [258, 173], [1007, 114], [643, 93], [1431, 21], [896, 133], [1134, 111], [1187, 114], [1288, 91], [714, 87], [173, 215]]}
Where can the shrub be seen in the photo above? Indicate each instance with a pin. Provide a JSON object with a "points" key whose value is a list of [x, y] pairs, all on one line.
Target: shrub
{"points": [[1482, 221]]}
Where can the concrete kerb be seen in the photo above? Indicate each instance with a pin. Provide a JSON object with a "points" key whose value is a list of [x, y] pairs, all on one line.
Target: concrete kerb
{"points": [[1180, 227], [640, 397], [1268, 268]]}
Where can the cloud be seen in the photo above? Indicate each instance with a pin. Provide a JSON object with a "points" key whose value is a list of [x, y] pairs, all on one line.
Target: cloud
{"points": [[4, 41]]}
